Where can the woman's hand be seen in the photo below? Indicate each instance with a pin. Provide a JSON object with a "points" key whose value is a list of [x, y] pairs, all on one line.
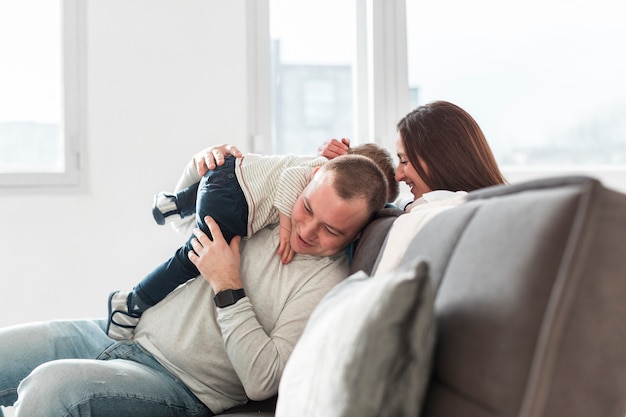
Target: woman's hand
{"points": [[213, 156], [217, 261], [334, 148]]}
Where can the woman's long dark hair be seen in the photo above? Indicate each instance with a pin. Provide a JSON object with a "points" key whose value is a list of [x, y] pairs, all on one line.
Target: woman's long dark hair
{"points": [[451, 145]]}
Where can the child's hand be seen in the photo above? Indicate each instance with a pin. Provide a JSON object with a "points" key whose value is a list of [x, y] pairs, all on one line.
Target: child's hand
{"points": [[284, 249], [334, 148], [212, 157], [284, 235]]}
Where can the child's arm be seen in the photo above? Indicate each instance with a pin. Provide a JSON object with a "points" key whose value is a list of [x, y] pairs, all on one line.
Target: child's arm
{"points": [[284, 234], [291, 182]]}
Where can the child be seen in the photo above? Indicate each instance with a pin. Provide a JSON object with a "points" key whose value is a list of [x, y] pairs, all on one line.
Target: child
{"points": [[243, 196], [169, 207]]}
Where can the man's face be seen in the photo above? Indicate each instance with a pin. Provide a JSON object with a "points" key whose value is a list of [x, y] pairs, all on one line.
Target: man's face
{"points": [[322, 223]]}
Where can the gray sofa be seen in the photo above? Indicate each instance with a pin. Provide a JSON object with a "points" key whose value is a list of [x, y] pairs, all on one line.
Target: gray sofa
{"points": [[530, 302]]}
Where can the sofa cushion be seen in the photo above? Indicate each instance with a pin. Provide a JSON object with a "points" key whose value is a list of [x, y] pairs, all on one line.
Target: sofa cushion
{"points": [[366, 350], [530, 283]]}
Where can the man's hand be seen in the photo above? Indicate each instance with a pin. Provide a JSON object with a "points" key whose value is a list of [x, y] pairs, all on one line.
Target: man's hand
{"points": [[334, 148], [217, 261], [212, 157], [284, 234]]}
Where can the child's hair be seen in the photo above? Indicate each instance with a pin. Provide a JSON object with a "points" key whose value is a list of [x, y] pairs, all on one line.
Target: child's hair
{"points": [[384, 160]]}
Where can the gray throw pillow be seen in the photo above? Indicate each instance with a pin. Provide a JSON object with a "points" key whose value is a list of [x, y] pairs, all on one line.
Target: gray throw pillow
{"points": [[366, 350]]}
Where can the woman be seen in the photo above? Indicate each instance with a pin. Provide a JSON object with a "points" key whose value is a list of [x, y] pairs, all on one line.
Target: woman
{"points": [[442, 155]]}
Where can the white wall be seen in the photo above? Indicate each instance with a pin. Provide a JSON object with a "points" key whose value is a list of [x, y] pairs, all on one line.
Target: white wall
{"points": [[165, 79]]}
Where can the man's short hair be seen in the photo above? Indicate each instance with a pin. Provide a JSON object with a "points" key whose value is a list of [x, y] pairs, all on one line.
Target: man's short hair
{"points": [[357, 176]]}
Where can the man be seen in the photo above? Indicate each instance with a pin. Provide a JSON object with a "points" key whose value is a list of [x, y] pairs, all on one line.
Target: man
{"points": [[198, 353]]}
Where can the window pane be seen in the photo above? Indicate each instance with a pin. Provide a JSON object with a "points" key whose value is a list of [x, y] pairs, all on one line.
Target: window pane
{"points": [[30, 85], [313, 48], [543, 79]]}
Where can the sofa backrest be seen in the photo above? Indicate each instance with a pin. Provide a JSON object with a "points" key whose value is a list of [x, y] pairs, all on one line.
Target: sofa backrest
{"points": [[531, 301]]}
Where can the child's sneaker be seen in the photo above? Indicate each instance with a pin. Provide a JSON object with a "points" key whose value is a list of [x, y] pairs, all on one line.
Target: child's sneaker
{"points": [[165, 208], [121, 322]]}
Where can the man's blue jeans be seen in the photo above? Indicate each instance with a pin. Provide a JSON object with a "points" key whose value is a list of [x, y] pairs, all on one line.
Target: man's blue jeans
{"points": [[72, 369]]}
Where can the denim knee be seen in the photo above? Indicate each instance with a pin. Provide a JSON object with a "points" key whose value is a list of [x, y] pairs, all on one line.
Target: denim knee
{"points": [[46, 391], [119, 387]]}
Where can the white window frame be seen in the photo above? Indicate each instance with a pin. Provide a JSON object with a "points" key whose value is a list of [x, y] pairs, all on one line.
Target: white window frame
{"points": [[381, 70], [74, 112], [259, 77], [381, 85]]}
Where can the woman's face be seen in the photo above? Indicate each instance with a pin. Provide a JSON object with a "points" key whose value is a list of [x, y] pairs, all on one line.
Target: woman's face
{"points": [[407, 173]]}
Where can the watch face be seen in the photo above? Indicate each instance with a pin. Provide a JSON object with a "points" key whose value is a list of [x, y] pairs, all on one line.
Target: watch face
{"points": [[227, 298]]}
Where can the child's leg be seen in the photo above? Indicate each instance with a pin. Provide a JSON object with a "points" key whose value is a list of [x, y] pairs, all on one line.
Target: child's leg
{"points": [[169, 207], [219, 196], [186, 200]]}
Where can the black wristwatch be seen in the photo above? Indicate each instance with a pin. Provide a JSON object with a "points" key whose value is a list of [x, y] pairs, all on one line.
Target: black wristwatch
{"points": [[227, 298]]}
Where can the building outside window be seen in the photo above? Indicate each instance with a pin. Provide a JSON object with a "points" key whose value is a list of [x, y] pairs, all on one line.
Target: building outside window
{"points": [[313, 49]]}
